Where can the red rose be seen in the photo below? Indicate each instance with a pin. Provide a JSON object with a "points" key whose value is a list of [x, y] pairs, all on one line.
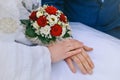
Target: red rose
{"points": [[51, 10], [33, 16], [56, 30], [63, 18], [42, 21]]}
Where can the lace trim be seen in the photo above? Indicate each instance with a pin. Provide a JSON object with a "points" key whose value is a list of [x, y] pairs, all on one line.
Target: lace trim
{"points": [[8, 25]]}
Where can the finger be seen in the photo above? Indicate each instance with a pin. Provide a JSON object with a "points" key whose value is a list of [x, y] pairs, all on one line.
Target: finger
{"points": [[86, 56], [73, 52], [85, 64], [72, 45], [70, 65], [78, 62], [87, 48]]}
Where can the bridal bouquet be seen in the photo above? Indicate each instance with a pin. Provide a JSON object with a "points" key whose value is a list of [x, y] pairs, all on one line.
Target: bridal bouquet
{"points": [[47, 25]]}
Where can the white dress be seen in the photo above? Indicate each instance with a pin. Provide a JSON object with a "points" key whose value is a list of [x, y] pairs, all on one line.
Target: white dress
{"points": [[106, 56], [18, 61]]}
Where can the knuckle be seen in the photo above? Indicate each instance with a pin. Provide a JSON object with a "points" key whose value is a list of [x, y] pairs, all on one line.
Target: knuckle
{"points": [[87, 57]]}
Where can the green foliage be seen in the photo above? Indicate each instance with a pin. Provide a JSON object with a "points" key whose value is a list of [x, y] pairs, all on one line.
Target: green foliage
{"points": [[67, 34], [30, 32], [46, 40], [25, 22]]}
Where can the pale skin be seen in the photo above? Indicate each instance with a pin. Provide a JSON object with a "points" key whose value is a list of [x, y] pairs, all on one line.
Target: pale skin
{"points": [[61, 50], [71, 51], [82, 60]]}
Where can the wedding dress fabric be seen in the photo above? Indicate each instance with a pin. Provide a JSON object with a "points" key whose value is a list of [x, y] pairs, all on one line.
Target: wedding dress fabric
{"points": [[18, 61], [9, 15], [106, 56]]}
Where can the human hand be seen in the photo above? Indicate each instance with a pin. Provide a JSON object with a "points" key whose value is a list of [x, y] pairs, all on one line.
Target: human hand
{"points": [[64, 49], [82, 60]]}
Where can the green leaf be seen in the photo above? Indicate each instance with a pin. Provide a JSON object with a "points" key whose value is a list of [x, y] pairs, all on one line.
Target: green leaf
{"points": [[67, 34], [45, 40], [25, 22], [30, 32]]}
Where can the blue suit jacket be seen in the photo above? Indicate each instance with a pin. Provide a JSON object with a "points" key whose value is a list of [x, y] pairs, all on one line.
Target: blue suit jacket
{"points": [[102, 16]]}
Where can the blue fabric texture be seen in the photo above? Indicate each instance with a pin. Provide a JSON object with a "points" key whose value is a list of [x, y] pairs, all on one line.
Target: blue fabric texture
{"points": [[104, 16]]}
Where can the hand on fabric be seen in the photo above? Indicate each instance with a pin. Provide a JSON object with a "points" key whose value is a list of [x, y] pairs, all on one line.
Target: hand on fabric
{"points": [[82, 60], [64, 49]]}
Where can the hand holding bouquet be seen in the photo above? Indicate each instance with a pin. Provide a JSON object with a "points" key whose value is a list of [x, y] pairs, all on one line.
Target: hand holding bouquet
{"points": [[47, 25]]}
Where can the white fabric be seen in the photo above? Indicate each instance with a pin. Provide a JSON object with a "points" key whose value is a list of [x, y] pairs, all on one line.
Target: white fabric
{"points": [[18, 61], [9, 15], [23, 11], [7, 9], [106, 56]]}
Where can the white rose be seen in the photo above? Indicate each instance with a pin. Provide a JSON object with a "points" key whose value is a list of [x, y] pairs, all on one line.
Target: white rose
{"points": [[65, 25], [52, 19], [68, 26], [59, 22], [37, 32], [63, 31], [35, 25], [59, 13], [45, 30], [45, 6], [39, 13]]}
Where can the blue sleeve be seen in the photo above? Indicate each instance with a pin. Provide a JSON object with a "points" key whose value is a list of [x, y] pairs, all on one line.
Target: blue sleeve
{"points": [[57, 3]]}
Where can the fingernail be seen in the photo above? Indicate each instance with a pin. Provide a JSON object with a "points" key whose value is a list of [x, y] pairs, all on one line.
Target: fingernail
{"points": [[74, 71], [84, 72]]}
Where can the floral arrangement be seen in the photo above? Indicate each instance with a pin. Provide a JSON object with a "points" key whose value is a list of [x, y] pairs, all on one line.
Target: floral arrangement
{"points": [[47, 25]]}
